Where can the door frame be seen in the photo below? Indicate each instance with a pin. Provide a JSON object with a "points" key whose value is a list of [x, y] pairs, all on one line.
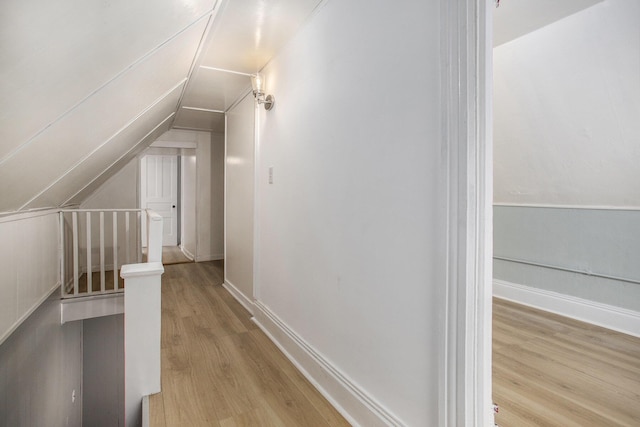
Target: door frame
{"points": [[466, 81]]}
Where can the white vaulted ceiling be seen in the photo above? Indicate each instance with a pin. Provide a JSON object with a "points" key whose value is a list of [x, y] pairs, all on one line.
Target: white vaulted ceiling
{"points": [[515, 18], [244, 37], [87, 85]]}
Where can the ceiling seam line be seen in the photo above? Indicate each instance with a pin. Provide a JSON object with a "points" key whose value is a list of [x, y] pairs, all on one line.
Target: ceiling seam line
{"points": [[121, 157], [206, 110], [195, 129], [206, 34], [206, 67], [137, 62], [118, 132]]}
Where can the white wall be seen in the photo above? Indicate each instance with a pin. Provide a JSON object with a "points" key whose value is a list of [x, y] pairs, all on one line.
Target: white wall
{"points": [[239, 199], [118, 192], [103, 402], [203, 196], [187, 208], [29, 264], [347, 233], [567, 102], [597, 242], [41, 361], [217, 196]]}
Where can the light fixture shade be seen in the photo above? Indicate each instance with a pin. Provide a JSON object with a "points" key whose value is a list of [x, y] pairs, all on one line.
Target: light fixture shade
{"points": [[257, 82]]}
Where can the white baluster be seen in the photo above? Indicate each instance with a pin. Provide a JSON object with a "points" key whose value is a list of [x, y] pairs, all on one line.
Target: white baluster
{"points": [[139, 239], [115, 251], [74, 221], [127, 232], [89, 266], [63, 281], [102, 272]]}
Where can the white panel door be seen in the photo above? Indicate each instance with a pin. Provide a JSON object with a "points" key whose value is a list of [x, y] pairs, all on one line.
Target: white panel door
{"points": [[161, 193]]}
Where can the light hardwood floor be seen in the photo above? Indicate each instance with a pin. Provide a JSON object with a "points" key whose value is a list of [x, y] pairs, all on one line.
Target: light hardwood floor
{"points": [[173, 255], [170, 255], [218, 368], [549, 370]]}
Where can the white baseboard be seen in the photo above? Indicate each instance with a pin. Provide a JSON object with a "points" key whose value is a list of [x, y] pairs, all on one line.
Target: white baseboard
{"points": [[214, 257], [187, 253], [607, 316], [355, 404], [145, 411], [239, 296]]}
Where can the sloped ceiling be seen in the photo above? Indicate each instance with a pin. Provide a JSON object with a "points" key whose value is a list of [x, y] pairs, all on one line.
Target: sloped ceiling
{"points": [[87, 85], [244, 37], [515, 18]]}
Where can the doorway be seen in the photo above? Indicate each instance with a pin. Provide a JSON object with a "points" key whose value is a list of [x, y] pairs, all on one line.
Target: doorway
{"points": [[159, 191], [565, 210]]}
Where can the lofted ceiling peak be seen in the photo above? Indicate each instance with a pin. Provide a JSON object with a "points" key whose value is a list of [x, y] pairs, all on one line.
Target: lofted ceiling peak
{"points": [[89, 85]]}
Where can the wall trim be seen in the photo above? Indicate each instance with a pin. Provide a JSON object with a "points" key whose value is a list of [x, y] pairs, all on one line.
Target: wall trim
{"points": [[239, 296], [354, 403], [89, 307], [22, 215], [211, 257], [174, 144], [466, 193], [573, 207], [595, 313], [566, 269], [187, 253]]}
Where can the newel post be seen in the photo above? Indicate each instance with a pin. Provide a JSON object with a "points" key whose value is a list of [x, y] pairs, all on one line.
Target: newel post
{"points": [[142, 320], [142, 324]]}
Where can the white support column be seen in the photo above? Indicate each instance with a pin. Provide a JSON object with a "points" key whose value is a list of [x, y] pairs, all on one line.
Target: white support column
{"points": [[465, 349], [142, 321]]}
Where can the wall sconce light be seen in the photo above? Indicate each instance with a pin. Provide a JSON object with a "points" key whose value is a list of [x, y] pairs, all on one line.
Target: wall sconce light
{"points": [[257, 82]]}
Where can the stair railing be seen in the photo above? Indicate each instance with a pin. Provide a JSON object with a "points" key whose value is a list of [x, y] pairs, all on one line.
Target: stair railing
{"points": [[94, 243]]}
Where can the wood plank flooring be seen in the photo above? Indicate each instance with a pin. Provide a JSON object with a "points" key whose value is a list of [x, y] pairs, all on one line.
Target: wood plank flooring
{"points": [[549, 370], [218, 368], [170, 255], [173, 255]]}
